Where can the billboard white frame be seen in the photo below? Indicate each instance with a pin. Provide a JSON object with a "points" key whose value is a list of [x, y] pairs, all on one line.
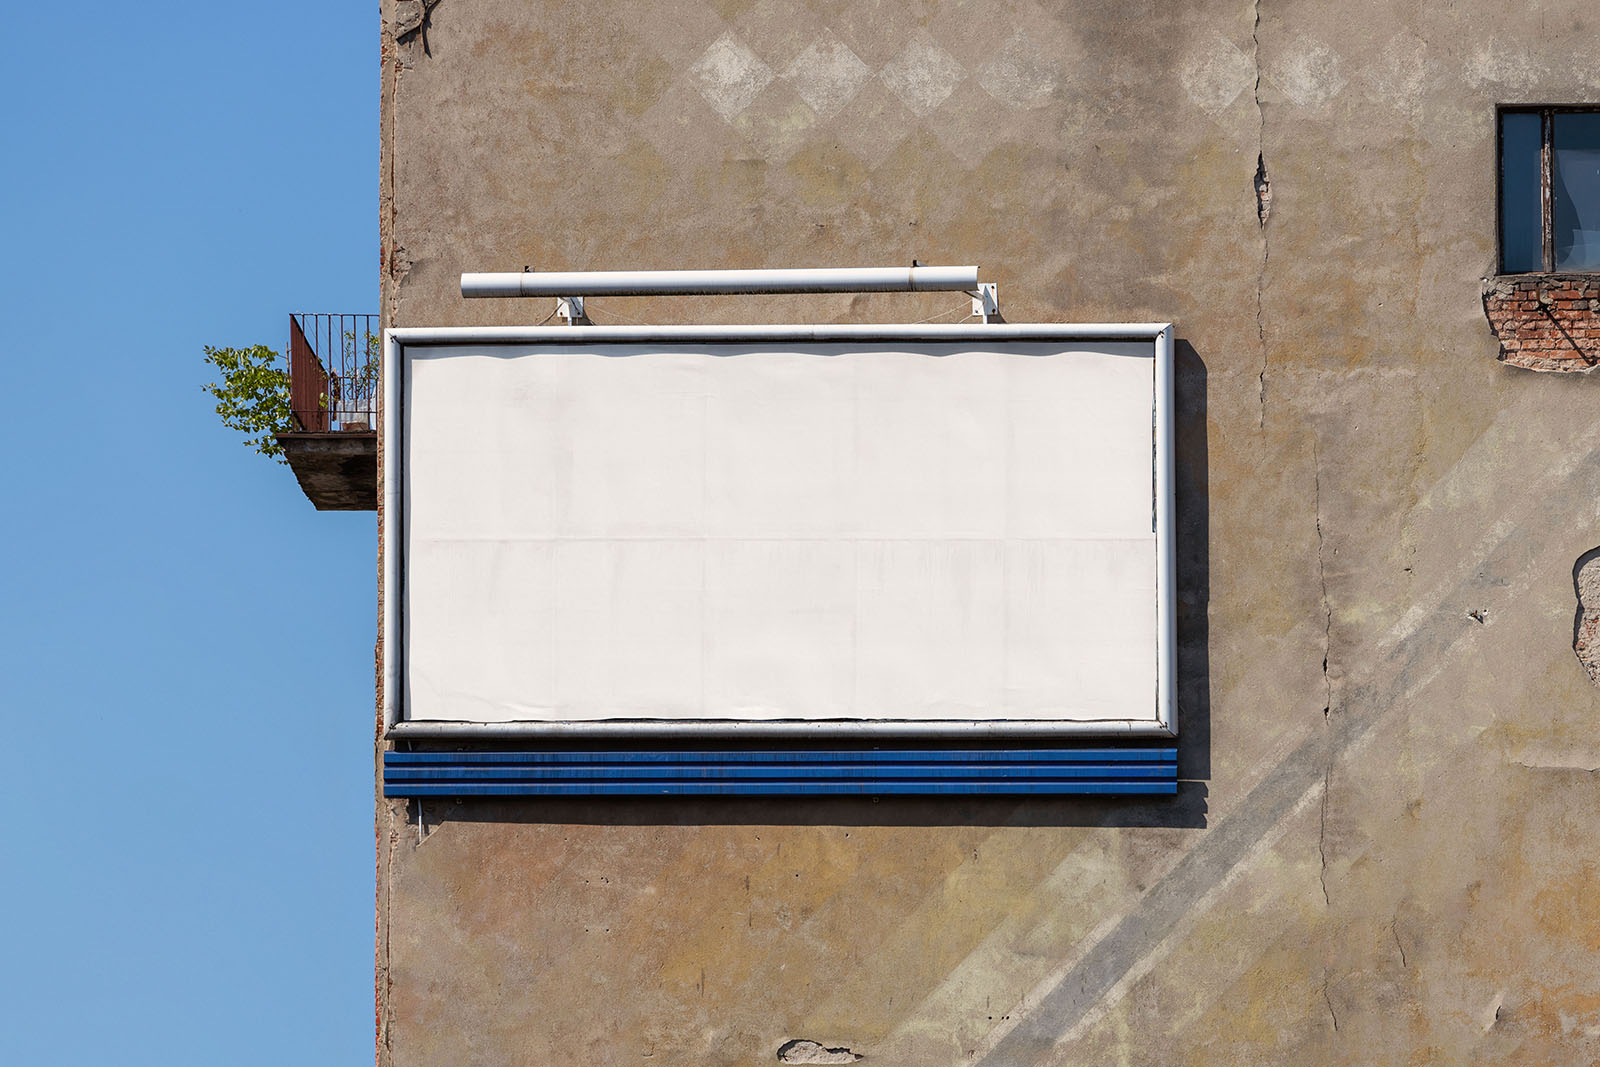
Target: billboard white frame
{"points": [[1162, 724]]}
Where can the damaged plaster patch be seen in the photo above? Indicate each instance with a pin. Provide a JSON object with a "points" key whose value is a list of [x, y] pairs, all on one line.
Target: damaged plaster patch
{"points": [[1398, 76], [1491, 1014], [802, 1051], [1309, 75], [1022, 75], [1499, 64], [922, 75], [1546, 322], [1214, 79], [1263, 184], [1552, 758], [1586, 635], [827, 75], [730, 76], [399, 263], [414, 17]]}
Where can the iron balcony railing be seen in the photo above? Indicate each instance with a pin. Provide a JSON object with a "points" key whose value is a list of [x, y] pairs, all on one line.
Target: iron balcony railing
{"points": [[333, 371]]}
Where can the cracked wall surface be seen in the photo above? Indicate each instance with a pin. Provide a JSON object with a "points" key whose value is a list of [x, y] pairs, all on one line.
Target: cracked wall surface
{"points": [[1383, 850]]}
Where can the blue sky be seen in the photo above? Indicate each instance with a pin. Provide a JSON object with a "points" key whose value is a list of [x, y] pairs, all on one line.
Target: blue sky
{"points": [[185, 644]]}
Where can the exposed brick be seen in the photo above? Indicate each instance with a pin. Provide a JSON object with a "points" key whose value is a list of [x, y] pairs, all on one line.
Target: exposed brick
{"points": [[1546, 323]]}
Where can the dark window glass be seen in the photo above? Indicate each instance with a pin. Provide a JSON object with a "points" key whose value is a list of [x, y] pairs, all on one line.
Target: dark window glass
{"points": [[1521, 213], [1575, 189]]}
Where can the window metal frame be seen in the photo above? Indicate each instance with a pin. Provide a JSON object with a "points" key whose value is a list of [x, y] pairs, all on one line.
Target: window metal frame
{"points": [[1547, 114]]}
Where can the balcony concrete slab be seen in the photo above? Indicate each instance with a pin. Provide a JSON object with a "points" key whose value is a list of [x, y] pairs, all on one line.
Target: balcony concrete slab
{"points": [[338, 471]]}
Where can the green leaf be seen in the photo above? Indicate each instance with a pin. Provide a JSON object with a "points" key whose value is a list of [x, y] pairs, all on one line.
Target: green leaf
{"points": [[253, 396]]}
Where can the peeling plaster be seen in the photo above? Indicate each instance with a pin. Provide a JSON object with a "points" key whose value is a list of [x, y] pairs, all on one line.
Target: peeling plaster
{"points": [[399, 264], [801, 1050], [1545, 322], [1586, 629], [1549, 759], [1491, 1014], [1263, 193], [413, 18]]}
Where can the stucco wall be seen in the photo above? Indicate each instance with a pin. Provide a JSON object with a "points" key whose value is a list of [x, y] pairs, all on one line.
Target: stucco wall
{"points": [[1385, 847]]}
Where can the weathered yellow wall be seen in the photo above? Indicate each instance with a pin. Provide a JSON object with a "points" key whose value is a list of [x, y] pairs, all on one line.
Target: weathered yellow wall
{"points": [[1386, 848]]}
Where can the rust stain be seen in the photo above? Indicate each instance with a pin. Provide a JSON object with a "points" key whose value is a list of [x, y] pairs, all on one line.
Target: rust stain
{"points": [[1569, 908]]}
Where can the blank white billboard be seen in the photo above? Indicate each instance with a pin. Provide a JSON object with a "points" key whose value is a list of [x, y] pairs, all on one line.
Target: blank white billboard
{"points": [[685, 530]]}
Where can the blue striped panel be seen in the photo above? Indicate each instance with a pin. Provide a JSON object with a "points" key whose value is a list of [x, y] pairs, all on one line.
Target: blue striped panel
{"points": [[804, 772], [998, 755]]}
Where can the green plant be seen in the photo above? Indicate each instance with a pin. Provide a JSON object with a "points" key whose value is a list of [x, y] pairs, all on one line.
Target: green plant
{"points": [[371, 362], [253, 396]]}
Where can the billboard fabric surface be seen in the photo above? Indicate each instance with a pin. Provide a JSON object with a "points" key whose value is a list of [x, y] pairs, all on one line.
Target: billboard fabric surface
{"points": [[856, 531]]}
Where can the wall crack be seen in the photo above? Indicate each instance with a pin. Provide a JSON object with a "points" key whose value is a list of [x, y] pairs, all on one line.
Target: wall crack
{"points": [[1263, 202], [1327, 682], [1322, 836], [1322, 580], [385, 982]]}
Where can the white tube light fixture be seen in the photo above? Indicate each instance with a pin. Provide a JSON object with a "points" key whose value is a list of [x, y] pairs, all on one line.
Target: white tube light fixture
{"points": [[916, 279]]}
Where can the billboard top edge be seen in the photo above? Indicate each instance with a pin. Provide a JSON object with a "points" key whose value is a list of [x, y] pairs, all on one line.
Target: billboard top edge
{"points": [[821, 333]]}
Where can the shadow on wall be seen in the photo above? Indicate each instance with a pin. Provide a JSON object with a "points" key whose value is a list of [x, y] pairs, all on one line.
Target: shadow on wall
{"points": [[1194, 572], [1187, 809]]}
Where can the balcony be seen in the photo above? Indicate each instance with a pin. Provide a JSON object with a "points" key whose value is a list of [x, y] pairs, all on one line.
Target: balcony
{"points": [[333, 392]]}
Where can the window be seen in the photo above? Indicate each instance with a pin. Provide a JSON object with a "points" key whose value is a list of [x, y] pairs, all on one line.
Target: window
{"points": [[1549, 189]]}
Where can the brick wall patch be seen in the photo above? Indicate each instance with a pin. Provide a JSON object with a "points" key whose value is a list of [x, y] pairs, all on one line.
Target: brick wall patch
{"points": [[1548, 322]]}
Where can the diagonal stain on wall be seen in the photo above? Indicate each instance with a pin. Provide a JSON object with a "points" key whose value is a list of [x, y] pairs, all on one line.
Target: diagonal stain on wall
{"points": [[1415, 656]]}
